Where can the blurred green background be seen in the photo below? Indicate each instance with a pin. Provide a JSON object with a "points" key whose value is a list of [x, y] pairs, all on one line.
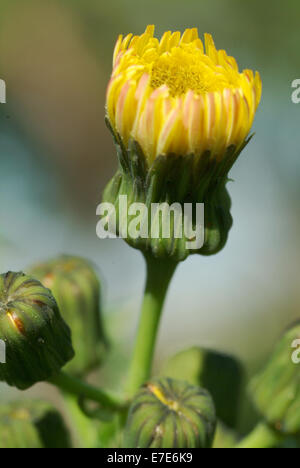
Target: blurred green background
{"points": [[56, 156]]}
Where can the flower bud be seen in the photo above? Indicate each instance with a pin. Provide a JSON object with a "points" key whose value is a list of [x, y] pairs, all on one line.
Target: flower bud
{"points": [[37, 340], [276, 389], [76, 288], [222, 375], [180, 112], [168, 413], [32, 425]]}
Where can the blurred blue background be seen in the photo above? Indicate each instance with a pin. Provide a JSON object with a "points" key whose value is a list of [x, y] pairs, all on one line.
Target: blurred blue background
{"points": [[57, 155]]}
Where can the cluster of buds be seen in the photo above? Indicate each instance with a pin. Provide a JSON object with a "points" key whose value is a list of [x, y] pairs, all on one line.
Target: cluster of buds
{"points": [[180, 113]]}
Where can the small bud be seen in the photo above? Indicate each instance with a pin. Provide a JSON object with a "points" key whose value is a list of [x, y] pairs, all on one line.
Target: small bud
{"points": [[37, 340], [169, 413], [222, 375], [32, 425], [76, 289], [276, 389]]}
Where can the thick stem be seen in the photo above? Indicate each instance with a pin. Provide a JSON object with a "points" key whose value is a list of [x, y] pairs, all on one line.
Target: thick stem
{"points": [[159, 274], [262, 436], [82, 389]]}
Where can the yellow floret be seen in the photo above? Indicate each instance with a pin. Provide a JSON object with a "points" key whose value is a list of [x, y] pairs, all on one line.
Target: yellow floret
{"points": [[179, 96]]}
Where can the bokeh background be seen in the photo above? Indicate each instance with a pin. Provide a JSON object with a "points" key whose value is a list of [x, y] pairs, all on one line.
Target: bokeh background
{"points": [[56, 156]]}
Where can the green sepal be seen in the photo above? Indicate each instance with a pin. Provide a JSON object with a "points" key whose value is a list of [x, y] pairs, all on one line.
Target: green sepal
{"points": [[275, 390], [222, 375], [37, 340], [168, 413], [32, 424], [174, 179], [77, 290]]}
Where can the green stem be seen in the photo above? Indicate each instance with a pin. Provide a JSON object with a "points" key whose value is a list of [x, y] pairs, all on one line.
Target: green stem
{"points": [[79, 388], [84, 429], [263, 436], [159, 274]]}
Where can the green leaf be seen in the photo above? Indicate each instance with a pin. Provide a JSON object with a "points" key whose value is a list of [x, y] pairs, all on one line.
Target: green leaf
{"points": [[220, 374]]}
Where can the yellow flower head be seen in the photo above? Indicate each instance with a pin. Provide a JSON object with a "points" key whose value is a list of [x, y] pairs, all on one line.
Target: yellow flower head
{"points": [[177, 96]]}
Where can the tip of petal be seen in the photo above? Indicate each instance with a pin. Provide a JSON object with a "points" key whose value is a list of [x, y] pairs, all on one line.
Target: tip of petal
{"points": [[210, 47], [150, 29], [117, 48], [178, 94], [187, 36]]}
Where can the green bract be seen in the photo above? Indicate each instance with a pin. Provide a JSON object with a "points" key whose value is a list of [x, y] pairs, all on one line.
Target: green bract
{"points": [[32, 425], [76, 288], [172, 179], [37, 340], [168, 413], [276, 389]]}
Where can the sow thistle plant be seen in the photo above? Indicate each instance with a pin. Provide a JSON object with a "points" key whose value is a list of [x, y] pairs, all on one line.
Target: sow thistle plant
{"points": [[180, 113]]}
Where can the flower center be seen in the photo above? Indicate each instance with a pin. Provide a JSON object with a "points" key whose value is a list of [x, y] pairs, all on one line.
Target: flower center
{"points": [[184, 69]]}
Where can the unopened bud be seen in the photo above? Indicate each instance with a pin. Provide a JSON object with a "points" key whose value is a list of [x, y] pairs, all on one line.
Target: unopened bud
{"points": [[168, 413], [76, 288], [276, 389], [37, 340]]}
